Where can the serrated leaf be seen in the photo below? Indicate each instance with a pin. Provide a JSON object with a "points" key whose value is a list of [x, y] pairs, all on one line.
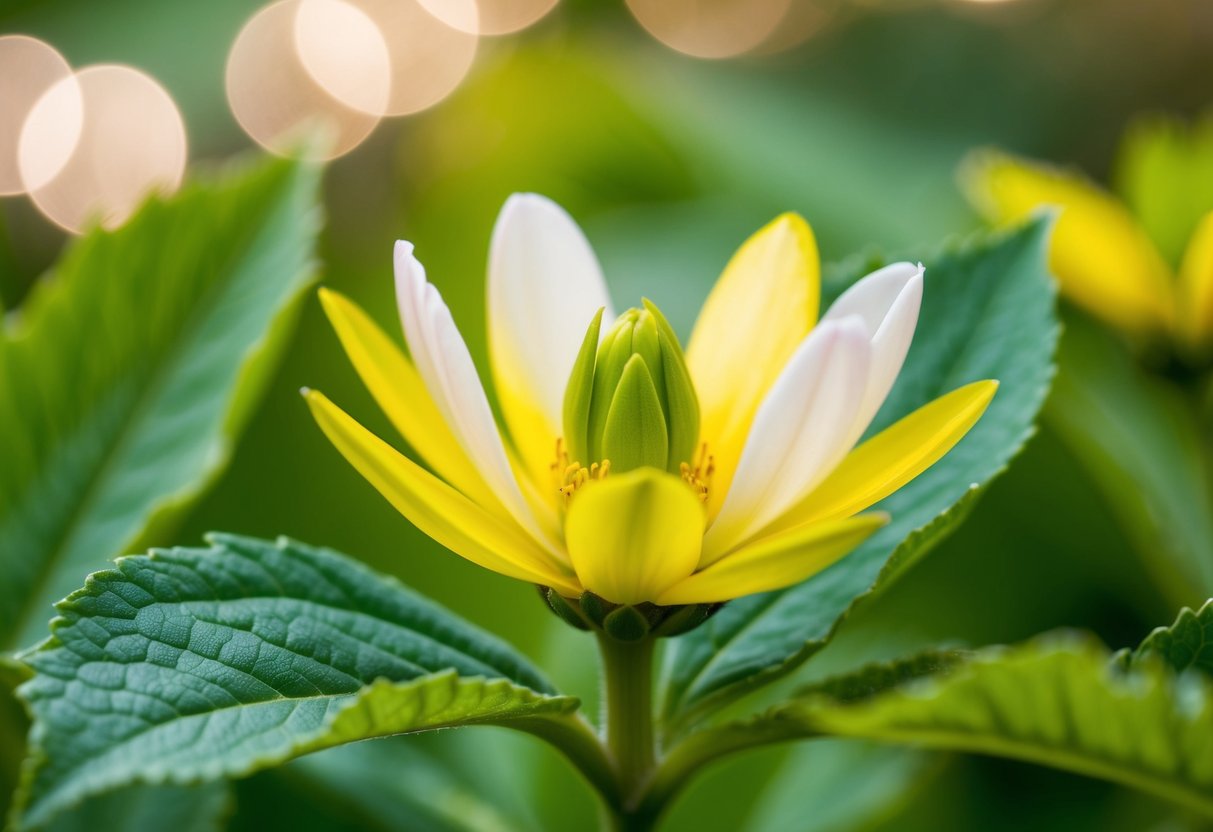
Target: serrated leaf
{"points": [[1055, 701], [1188, 643], [189, 665], [988, 312], [873, 679], [130, 370], [1144, 445]]}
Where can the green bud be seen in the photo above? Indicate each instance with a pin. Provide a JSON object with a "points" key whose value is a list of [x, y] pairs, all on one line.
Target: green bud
{"points": [[594, 608], [679, 620], [564, 608], [626, 624], [630, 399]]}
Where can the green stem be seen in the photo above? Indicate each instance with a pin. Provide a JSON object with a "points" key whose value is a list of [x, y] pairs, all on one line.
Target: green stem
{"points": [[576, 739], [627, 671], [689, 757]]}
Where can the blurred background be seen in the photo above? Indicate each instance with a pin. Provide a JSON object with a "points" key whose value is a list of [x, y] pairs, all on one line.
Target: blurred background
{"points": [[671, 129]]}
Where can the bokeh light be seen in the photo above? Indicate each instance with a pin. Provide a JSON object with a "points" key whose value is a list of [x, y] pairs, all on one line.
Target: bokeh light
{"points": [[803, 20], [95, 144], [343, 51], [710, 28], [428, 57], [489, 17], [278, 101], [28, 68]]}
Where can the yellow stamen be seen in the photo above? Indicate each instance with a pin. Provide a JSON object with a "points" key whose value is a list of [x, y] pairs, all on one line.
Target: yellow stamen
{"points": [[569, 476], [698, 473], [577, 475]]}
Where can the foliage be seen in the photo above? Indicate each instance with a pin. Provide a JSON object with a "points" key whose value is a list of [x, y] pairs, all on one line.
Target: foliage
{"points": [[1060, 700], [1188, 643], [193, 664], [131, 369]]}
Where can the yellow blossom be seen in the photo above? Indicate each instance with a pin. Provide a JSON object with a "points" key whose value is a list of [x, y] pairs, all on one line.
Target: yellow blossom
{"points": [[1102, 255], [767, 407]]}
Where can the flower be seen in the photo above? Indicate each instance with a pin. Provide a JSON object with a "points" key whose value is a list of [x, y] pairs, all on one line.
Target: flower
{"points": [[726, 472], [1143, 264]]}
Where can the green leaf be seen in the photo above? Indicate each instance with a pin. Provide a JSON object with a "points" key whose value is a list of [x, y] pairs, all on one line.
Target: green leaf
{"points": [[376, 786], [988, 312], [873, 679], [202, 808], [1144, 446], [837, 785], [1186, 643], [1165, 172], [192, 664], [1057, 701], [132, 368]]}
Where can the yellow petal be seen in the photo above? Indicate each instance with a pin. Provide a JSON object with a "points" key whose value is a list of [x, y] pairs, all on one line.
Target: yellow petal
{"points": [[1196, 286], [437, 509], [632, 535], [1103, 259], [760, 310], [893, 457], [398, 389], [775, 561]]}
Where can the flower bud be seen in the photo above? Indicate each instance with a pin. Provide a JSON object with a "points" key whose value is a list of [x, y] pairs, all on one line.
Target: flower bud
{"points": [[630, 400]]}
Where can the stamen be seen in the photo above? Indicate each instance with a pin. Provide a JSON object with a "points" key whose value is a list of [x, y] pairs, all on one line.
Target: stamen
{"points": [[698, 472], [561, 459], [569, 476]]}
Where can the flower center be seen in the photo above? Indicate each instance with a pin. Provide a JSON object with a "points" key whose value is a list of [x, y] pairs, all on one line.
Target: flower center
{"points": [[698, 472], [568, 476]]}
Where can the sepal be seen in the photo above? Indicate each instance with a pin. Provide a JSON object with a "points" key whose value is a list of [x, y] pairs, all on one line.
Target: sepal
{"points": [[627, 622]]}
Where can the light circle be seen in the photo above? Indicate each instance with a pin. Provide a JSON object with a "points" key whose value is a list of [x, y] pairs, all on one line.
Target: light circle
{"points": [[277, 101], [429, 59], [28, 68], [96, 144], [710, 28], [489, 17], [343, 51]]}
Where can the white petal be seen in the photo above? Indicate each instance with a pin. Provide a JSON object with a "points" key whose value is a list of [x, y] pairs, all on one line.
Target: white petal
{"points": [[544, 287], [443, 360], [801, 432], [887, 302]]}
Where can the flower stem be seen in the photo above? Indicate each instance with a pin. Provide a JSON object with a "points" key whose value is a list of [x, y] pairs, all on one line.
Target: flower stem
{"points": [[628, 681]]}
